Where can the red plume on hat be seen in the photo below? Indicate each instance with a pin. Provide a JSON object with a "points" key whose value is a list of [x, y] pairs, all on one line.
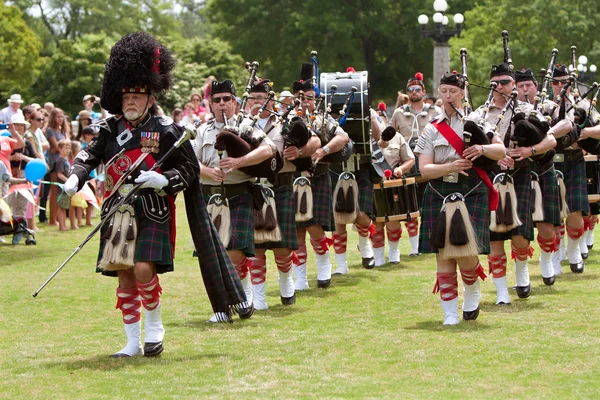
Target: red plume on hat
{"points": [[381, 106], [350, 69], [416, 80], [419, 76]]}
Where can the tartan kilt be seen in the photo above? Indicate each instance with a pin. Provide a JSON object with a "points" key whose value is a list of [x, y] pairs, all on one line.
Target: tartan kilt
{"points": [[365, 187], [153, 242], [550, 192], [242, 223], [522, 181], [286, 217], [575, 181], [476, 202], [322, 203]]}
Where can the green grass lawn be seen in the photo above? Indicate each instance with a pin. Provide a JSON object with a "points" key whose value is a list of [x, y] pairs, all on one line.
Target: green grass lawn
{"points": [[372, 334]]}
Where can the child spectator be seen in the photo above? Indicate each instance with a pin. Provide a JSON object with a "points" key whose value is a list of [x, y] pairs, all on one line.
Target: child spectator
{"points": [[62, 173]]}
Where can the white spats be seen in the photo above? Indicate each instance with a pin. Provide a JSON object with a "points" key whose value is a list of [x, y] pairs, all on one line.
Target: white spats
{"points": [[341, 263], [364, 245], [260, 296], [573, 251], [472, 296], [247, 285], [301, 281], [450, 311], [589, 238], [546, 264], [154, 331], [379, 253], [521, 273], [134, 344], [394, 251], [502, 296], [323, 266], [286, 284], [556, 263], [414, 245]]}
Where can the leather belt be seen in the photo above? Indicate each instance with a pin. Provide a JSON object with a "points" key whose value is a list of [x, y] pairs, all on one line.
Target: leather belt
{"points": [[284, 179], [230, 190]]}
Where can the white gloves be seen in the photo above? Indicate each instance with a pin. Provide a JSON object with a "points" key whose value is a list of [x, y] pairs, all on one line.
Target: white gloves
{"points": [[70, 186], [152, 179]]}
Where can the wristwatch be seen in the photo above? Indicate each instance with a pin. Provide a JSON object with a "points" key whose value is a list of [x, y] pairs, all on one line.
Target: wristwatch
{"points": [[299, 153], [326, 149], [533, 151]]}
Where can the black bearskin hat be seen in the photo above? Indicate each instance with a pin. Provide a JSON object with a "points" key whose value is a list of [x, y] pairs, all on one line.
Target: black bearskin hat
{"points": [[138, 63], [305, 83], [261, 86], [560, 71]]}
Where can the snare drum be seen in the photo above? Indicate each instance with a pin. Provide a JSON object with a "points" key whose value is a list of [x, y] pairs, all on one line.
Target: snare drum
{"points": [[396, 200], [592, 178], [358, 121]]}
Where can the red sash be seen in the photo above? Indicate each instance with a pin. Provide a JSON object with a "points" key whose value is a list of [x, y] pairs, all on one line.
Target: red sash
{"points": [[457, 143]]}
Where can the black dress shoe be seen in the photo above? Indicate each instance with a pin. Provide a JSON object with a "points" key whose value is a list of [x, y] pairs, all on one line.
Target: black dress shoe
{"points": [[288, 301], [471, 315], [414, 254], [153, 349], [120, 355], [584, 255], [577, 267], [589, 246], [324, 284], [548, 281], [524, 291], [246, 312], [368, 263]]}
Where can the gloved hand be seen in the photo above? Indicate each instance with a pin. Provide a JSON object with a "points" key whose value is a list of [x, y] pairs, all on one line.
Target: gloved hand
{"points": [[152, 179], [71, 185]]}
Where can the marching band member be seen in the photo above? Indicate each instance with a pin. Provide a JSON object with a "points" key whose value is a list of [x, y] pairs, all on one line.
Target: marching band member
{"points": [[456, 237], [322, 208], [518, 176], [401, 159], [218, 174], [283, 250], [543, 170], [570, 161], [138, 241], [410, 120]]}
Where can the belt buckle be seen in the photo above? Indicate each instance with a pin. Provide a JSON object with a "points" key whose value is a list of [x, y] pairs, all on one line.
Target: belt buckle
{"points": [[559, 157], [452, 177], [125, 189]]}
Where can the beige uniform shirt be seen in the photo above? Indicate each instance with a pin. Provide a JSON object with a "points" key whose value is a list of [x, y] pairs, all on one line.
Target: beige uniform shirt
{"points": [[275, 136], [505, 127], [397, 151], [432, 143], [208, 155], [411, 124]]}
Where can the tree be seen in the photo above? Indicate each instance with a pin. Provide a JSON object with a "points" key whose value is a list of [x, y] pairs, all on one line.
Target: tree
{"points": [[534, 27], [381, 36], [75, 69], [19, 52]]}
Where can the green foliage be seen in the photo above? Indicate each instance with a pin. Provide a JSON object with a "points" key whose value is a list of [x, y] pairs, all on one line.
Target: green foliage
{"points": [[74, 70], [381, 36], [535, 28], [19, 51]]}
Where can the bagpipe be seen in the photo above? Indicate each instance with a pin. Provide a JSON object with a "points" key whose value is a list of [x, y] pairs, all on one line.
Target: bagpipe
{"points": [[240, 139]]}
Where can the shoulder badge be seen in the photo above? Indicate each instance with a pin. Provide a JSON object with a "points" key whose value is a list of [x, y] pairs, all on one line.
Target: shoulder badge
{"points": [[165, 121]]}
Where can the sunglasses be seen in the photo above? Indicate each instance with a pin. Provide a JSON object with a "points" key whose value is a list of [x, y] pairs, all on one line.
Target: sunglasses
{"points": [[39, 119], [196, 99], [559, 82], [410, 90], [503, 82], [225, 99]]}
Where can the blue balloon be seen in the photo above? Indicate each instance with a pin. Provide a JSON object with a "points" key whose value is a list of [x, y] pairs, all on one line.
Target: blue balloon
{"points": [[5, 133], [35, 170]]}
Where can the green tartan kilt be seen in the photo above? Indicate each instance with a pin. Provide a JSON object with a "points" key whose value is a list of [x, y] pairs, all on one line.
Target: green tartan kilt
{"points": [[476, 202], [550, 192], [575, 181], [242, 223], [286, 217], [152, 244], [322, 203], [522, 181]]}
